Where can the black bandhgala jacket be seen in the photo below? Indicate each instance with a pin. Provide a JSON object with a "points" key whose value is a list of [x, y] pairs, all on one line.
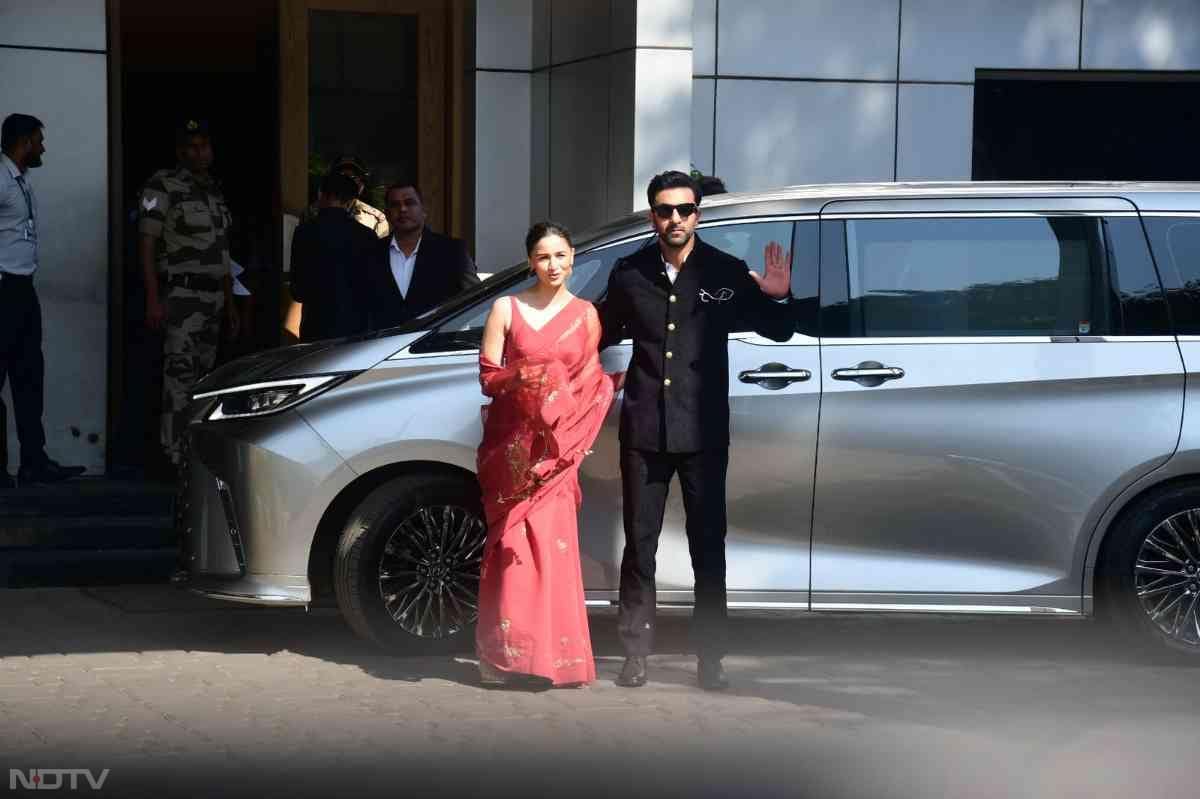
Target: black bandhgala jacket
{"points": [[330, 258], [680, 334]]}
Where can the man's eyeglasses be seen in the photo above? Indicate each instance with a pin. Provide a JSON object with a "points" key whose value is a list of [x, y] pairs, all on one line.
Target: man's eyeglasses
{"points": [[665, 210]]}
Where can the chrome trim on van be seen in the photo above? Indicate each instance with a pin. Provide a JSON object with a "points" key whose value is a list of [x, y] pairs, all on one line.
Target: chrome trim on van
{"points": [[750, 220], [902, 214], [892, 607], [882, 341], [1187, 214]]}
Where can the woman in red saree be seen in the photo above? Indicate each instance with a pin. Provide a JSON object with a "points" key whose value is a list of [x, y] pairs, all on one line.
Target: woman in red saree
{"points": [[540, 365]]}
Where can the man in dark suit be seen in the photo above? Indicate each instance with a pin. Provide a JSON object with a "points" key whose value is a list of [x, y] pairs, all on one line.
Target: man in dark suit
{"points": [[679, 299], [330, 257], [414, 269]]}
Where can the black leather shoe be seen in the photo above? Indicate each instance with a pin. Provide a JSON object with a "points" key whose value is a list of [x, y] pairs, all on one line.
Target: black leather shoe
{"points": [[48, 471], [633, 673], [711, 675]]}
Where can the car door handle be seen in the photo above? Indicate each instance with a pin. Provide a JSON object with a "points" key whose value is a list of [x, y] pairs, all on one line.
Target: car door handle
{"points": [[774, 375], [869, 373]]}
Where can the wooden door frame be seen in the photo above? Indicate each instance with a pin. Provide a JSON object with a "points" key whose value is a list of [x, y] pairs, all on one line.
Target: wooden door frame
{"points": [[441, 133]]}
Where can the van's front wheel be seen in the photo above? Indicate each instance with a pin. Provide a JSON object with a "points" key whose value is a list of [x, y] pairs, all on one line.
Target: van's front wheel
{"points": [[406, 570]]}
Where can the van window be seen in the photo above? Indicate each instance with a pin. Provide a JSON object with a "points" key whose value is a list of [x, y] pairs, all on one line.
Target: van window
{"points": [[588, 280], [1176, 245], [747, 241], [972, 277], [1142, 302]]}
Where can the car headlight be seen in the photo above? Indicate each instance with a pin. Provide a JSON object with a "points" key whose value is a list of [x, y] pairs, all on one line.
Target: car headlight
{"points": [[261, 399]]}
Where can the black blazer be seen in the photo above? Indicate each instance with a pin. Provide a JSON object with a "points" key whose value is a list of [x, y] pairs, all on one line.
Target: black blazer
{"points": [[713, 295], [330, 256], [443, 269]]}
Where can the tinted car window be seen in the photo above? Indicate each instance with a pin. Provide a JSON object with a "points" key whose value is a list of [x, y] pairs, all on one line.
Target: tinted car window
{"points": [[1176, 245], [1143, 305], [970, 277], [588, 279]]}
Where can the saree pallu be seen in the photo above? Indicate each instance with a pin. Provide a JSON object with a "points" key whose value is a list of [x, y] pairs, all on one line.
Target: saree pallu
{"points": [[549, 399]]}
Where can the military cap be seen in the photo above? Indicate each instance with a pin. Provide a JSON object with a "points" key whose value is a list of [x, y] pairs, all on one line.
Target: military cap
{"points": [[191, 126], [354, 163]]}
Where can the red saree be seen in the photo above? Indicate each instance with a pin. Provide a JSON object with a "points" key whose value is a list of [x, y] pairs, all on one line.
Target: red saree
{"points": [[549, 399]]}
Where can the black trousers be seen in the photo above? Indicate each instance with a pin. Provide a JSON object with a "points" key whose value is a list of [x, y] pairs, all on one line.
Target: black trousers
{"points": [[645, 479], [21, 362]]}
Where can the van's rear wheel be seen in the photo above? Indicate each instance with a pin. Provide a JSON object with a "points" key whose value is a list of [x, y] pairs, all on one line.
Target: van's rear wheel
{"points": [[1153, 569], [406, 571]]}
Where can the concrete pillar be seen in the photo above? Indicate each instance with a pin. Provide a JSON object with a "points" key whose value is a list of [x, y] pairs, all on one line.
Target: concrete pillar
{"points": [[588, 99]]}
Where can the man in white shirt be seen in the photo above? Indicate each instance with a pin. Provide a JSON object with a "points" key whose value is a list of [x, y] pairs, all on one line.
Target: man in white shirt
{"points": [[416, 269], [21, 140]]}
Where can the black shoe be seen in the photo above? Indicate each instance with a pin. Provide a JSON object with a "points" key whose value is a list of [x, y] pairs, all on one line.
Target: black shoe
{"points": [[711, 674], [48, 471], [633, 673], [6, 481]]}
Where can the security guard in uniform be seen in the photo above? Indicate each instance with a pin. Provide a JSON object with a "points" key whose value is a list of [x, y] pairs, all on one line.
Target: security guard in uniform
{"points": [[184, 224], [366, 215]]}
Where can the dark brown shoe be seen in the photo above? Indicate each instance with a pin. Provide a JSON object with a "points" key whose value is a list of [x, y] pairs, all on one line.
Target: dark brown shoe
{"points": [[711, 674], [633, 673]]}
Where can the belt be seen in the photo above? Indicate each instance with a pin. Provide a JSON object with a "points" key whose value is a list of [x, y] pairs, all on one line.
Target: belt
{"points": [[195, 282]]}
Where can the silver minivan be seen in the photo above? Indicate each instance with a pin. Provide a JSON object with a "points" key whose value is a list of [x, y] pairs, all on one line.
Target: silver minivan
{"points": [[984, 409]]}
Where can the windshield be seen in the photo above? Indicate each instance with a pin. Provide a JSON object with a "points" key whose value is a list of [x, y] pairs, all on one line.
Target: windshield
{"points": [[460, 322], [454, 304]]}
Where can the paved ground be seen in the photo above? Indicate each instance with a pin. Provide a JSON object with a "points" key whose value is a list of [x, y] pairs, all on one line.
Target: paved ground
{"points": [[179, 696]]}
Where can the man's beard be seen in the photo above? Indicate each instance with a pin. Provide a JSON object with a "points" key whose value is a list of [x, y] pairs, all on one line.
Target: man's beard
{"points": [[666, 241], [34, 162]]}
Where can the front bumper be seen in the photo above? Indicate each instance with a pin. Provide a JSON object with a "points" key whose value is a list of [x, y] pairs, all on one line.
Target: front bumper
{"points": [[279, 590], [255, 492]]}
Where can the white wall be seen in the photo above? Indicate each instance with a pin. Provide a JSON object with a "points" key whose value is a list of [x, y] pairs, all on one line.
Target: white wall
{"points": [[798, 87], [781, 91], [68, 91], [1141, 34]]}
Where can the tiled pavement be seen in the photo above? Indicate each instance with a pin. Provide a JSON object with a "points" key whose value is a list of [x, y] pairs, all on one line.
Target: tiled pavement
{"points": [[180, 696]]}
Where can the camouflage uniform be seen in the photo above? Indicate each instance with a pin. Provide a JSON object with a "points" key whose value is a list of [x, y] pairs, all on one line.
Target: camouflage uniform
{"points": [[367, 215], [189, 217]]}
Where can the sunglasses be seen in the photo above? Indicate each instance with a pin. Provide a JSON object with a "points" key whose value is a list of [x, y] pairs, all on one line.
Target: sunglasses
{"points": [[665, 210]]}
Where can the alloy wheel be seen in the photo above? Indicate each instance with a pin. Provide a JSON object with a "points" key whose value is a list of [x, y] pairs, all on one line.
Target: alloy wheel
{"points": [[1167, 577], [429, 571]]}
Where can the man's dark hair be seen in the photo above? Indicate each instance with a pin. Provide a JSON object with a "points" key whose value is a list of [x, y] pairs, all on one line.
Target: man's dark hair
{"points": [[339, 187], [17, 127], [671, 179], [403, 184], [543, 229], [711, 184]]}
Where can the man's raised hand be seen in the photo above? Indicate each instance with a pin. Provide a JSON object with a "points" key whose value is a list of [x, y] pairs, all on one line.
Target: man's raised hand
{"points": [[777, 281]]}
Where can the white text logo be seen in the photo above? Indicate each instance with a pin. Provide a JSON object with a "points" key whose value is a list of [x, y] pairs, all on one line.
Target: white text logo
{"points": [[54, 779]]}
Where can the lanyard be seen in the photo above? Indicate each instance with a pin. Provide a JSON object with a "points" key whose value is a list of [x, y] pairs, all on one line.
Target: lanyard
{"points": [[28, 197]]}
